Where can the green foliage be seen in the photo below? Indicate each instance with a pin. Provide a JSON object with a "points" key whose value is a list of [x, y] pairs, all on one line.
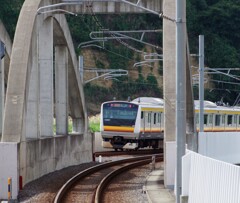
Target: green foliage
{"points": [[99, 64], [220, 54], [220, 23], [9, 12], [94, 123], [217, 20], [96, 94], [94, 127]]}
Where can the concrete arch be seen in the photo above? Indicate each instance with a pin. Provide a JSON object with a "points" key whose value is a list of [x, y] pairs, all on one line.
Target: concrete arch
{"points": [[4, 37], [29, 108], [22, 59]]}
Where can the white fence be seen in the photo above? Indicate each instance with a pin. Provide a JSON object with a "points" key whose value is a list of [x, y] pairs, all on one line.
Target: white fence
{"points": [[206, 180]]}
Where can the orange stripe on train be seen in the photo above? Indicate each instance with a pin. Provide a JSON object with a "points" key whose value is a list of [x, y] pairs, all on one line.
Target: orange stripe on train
{"points": [[118, 129]]}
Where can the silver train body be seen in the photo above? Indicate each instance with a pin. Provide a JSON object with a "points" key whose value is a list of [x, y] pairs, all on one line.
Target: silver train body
{"points": [[140, 123], [132, 125]]}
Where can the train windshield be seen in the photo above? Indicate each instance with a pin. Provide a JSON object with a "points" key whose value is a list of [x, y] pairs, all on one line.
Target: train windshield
{"points": [[119, 114]]}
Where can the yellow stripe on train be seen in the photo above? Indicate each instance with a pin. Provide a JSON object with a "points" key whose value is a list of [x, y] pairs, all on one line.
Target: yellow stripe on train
{"points": [[118, 128]]}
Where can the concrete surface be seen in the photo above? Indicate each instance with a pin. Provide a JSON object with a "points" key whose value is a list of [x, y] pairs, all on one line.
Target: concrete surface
{"points": [[35, 158], [155, 190]]}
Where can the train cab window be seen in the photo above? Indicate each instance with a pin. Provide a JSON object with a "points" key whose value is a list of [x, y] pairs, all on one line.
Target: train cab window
{"points": [[229, 119], [205, 119], [217, 120], [142, 115]]}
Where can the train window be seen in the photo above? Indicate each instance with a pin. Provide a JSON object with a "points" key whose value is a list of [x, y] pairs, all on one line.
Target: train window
{"points": [[141, 114], [205, 119], [238, 120], [217, 120], [154, 118], [229, 119]]}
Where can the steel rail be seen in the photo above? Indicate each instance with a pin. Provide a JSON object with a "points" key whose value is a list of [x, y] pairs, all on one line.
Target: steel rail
{"points": [[67, 186], [105, 181]]}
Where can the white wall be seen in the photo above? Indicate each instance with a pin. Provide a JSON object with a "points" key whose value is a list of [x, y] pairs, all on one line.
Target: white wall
{"points": [[223, 146], [8, 168], [170, 164], [98, 143]]}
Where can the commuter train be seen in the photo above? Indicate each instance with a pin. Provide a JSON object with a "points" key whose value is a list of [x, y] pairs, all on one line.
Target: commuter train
{"points": [[140, 123]]}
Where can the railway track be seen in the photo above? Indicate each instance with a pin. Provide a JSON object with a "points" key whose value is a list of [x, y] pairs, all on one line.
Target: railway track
{"points": [[88, 185], [131, 152]]}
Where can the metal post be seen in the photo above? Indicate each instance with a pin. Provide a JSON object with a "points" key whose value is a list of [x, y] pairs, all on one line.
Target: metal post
{"points": [[2, 85], [201, 83], [153, 161], [9, 189], [180, 91]]}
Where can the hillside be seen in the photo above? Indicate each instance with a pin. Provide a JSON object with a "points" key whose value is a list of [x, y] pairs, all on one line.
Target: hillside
{"points": [[217, 20]]}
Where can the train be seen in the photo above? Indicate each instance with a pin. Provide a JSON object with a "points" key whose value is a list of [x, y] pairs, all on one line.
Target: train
{"points": [[139, 123]]}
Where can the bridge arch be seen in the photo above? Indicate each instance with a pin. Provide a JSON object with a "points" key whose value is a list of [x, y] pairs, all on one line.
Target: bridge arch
{"points": [[22, 97], [43, 84], [4, 37]]}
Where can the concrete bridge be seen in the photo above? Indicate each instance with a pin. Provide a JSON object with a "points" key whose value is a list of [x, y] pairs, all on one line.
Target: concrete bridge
{"points": [[43, 86]]}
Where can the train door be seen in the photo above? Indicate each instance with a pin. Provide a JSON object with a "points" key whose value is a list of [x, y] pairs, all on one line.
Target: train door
{"points": [[147, 121], [159, 122], [235, 121], [238, 122], [210, 122], [223, 121], [162, 121]]}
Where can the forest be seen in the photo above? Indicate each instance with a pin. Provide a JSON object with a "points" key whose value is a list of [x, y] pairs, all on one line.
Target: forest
{"points": [[217, 20]]}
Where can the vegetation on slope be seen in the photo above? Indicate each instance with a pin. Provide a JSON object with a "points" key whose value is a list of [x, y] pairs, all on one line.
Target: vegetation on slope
{"points": [[217, 20]]}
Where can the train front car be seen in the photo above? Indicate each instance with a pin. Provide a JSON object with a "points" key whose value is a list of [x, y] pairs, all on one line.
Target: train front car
{"points": [[117, 125]]}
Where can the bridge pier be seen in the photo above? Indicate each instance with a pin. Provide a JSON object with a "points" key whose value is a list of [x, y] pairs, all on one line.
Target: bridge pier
{"points": [[32, 108], [45, 58], [61, 90]]}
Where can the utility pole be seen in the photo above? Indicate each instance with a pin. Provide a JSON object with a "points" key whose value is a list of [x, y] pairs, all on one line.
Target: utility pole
{"points": [[180, 91], [201, 83], [2, 87]]}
